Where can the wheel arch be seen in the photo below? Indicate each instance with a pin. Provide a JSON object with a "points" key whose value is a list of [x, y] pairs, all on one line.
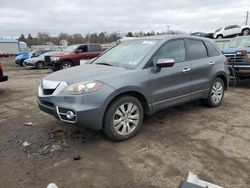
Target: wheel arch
{"points": [[224, 78], [135, 93]]}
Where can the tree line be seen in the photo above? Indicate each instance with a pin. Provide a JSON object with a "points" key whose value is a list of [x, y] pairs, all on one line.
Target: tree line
{"points": [[43, 38]]}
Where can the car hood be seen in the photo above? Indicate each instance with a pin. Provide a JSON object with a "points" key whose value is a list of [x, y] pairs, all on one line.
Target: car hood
{"points": [[34, 59], [234, 50], [87, 73], [59, 54], [22, 56], [53, 53]]}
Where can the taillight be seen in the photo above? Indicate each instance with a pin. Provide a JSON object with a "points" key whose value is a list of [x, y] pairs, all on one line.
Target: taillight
{"points": [[1, 68]]}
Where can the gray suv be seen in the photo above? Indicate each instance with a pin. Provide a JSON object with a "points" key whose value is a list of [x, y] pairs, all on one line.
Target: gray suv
{"points": [[133, 79]]}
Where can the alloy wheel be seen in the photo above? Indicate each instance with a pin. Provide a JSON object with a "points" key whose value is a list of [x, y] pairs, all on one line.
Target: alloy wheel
{"points": [[126, 118], [217, 92]]}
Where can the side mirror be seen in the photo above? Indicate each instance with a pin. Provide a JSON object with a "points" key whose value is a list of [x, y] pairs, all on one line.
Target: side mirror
{"points": [[163, 63]]}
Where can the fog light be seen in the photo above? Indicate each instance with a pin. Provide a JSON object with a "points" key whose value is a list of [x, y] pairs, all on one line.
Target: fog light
{"points": [[70, 114]]}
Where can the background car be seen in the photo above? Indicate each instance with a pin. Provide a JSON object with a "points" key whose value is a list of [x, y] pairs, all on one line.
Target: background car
{"points": [[39, 62], [72, 56], [231, 31], [238, 55], [3, 77], [201, 34], [136, 78], [27, 55]]}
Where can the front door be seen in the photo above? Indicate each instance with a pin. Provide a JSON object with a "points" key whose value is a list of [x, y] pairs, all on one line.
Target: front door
{"points": [[171, 85]]}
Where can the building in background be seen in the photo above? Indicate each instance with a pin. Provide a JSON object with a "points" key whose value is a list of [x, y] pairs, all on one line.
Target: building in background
{"points": [[12, 46]]}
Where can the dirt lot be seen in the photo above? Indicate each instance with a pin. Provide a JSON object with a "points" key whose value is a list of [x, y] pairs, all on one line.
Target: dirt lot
{"points": [[213, 143]]}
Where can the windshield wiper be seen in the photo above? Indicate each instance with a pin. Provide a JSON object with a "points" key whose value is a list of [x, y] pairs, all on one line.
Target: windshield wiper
{"points": [[104, 64]]}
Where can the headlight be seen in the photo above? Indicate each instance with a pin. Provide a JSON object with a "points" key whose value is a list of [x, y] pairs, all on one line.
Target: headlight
{"points": [[54, 58], [83, 87]]}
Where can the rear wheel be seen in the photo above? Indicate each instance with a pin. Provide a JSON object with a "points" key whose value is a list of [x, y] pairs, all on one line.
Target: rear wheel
{"points": [[66, 65], [40, 65], [245, 32], [216, 93], [219, 37], [123, 118]]}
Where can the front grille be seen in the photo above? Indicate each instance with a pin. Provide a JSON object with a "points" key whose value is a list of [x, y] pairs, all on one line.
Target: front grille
{"points": [[47, 60], [233, 58], [48, 91], [48, 104]]}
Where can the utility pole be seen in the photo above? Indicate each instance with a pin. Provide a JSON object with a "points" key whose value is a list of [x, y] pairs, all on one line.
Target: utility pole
{"points": [[247, 17]]}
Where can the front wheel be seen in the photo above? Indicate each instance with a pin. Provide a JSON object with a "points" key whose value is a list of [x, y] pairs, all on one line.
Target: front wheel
{"points": [[40, 65], [123, 118], [66, 65], [216, 93]]}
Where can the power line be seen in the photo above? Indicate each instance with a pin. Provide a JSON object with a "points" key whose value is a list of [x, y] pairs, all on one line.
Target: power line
{"points": [[247, 17]]}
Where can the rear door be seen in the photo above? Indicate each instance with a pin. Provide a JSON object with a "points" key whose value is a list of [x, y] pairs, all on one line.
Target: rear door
{"points": [[94, 51], [202, 67], [173, 84]]}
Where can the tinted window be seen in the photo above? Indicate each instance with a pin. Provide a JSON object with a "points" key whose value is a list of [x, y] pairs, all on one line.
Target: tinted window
{"points": [[83, 49], [228, 27], [211, 49], [94, 48], [197, 49], [172, 50]]}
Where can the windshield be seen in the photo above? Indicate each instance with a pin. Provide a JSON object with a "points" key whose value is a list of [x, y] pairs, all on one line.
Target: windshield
{"points": [[217, 30], [128, 54], [71, 48], [239, 42]]}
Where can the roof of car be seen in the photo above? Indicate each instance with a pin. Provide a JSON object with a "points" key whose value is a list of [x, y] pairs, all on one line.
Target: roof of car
{"points": [[168, 37]]}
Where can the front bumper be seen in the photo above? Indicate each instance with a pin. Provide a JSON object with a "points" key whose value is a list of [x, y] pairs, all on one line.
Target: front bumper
{"points": [[28, 64], [3, 78], [239, 70], [88, 109]]}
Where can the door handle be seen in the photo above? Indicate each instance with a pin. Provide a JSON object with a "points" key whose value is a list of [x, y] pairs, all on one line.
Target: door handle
{"points": [[186, 70], [211, 63]]}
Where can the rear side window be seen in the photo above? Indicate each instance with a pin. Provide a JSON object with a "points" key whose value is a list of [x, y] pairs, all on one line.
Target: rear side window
{"points": [[94, 48], [173, 49], [211, 49], [197, 49]]}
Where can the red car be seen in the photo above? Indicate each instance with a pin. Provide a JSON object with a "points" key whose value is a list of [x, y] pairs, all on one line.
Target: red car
{"points": [[2, 76], [73, 55]]}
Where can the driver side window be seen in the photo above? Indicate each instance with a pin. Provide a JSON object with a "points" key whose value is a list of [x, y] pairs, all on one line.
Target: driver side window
{"points": [[82, 49], [171, 50]]}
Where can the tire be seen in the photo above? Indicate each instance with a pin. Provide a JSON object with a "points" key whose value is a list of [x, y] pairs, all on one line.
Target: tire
{"points": [[21, 63], [219, 37], [216, 93], [123, 118], [40, 65], [66, 65], [245, 32]]}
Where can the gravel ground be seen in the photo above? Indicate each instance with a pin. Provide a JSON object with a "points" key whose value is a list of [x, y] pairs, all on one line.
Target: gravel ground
{"points": [[214, 143]]}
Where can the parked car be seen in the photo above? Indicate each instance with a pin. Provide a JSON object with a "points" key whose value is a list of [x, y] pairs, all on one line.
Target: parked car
{"points": [[72, 56], [201, 34], [38, 62], [136, 78], [238, 55], [232, 31], [26, 55], [3, 77]]}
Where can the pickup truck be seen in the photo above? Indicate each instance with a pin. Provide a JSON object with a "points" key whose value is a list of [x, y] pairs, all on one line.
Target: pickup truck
{"points": [[73, 55], [238, 56], [3, 77]]}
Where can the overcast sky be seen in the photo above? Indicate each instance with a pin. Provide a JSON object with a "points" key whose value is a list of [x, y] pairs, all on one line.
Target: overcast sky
{"points": [[83, 16]]}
